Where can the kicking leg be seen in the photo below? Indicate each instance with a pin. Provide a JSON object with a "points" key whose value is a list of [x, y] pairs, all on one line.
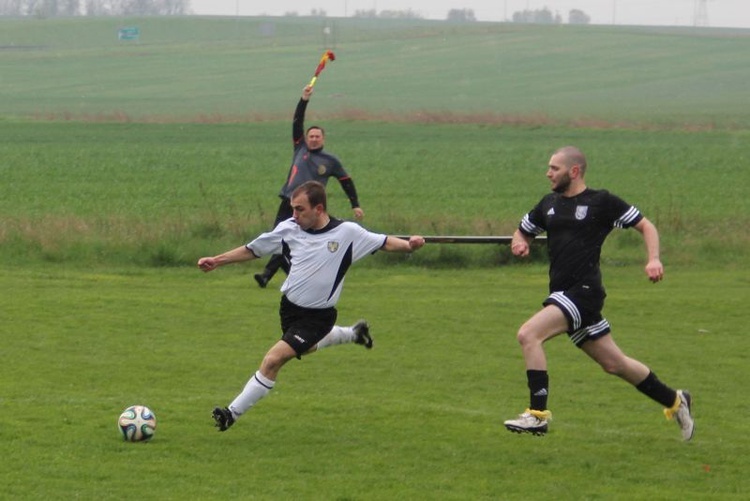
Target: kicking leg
{"points": [[358, 333], [257, 387]]}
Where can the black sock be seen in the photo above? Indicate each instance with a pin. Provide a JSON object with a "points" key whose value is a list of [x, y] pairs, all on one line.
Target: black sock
{"points": [[655, 389], [538, 389]]}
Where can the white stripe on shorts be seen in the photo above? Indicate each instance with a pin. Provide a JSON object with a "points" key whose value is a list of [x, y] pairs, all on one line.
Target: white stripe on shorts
{"points": [[570, 308], [592, 331]]}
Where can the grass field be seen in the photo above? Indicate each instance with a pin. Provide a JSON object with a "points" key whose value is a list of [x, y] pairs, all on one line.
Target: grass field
{"points": [[417, 417], [164, 193], [124, 163], [225, 69]]}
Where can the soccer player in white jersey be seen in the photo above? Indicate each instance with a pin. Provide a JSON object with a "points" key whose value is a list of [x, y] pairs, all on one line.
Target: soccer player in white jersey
{"points": [[320, 249], [577, 220]]}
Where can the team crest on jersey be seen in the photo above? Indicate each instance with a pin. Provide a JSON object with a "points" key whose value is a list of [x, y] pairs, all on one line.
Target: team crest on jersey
{"points": [[333, 246], [321, 170], [581, 211]]}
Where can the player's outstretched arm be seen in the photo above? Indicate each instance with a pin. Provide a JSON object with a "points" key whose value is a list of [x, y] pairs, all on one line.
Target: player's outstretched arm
{"points": [[395, 244], [237, 255]]}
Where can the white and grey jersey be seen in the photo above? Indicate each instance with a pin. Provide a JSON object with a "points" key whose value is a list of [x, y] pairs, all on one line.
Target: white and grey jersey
{"points": [[319, 258]]}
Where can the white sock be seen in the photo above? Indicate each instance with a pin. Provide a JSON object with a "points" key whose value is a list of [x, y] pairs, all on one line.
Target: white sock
{"points": [[256, 388], [338, 335]]}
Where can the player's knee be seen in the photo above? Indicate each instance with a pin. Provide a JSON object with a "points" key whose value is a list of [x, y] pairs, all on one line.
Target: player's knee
{"points": [[525, 335], [612, 367], [272, 362]]}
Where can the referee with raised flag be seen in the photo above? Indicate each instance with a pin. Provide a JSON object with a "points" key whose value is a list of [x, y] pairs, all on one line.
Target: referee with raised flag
{"points": [[577, 221], [310, 162], [320, 249]]}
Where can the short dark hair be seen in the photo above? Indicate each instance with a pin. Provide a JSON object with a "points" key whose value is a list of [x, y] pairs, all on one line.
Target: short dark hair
{"points": [[321, 129], [315, 191], [573, 156]]}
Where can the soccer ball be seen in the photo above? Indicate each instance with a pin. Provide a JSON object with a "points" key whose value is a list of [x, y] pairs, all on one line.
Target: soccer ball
{"points": [[137, 423]]}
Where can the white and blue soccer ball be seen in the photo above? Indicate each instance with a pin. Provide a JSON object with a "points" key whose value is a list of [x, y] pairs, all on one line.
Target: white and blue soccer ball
{"points": [[137, 423]]}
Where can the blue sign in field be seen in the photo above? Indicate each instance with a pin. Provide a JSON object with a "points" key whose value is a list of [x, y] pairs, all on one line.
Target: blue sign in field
{"points": [[129, 33]]}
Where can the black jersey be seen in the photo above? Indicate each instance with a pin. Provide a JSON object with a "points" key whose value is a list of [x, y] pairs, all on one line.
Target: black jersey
{"points": [[313, 165], [576, 229]]}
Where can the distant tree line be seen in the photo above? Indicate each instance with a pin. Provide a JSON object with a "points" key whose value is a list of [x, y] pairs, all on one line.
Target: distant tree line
{"points": [[577, 16], [545, 16], [539, 16], [461, 16], [387, 14], [54, 8]]}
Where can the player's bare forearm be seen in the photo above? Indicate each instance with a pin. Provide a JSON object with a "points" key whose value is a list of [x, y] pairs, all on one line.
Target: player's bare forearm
{"points": [[654, 268], [395, 244], [519, 244], [237, 255]]}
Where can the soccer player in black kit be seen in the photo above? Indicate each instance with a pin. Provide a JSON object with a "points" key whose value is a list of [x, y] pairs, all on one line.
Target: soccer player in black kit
{"points": [[577, 220], [309, 163]]}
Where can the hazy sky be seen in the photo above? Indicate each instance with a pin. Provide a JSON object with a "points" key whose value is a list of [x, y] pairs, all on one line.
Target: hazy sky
{"points": [[719, 13]]}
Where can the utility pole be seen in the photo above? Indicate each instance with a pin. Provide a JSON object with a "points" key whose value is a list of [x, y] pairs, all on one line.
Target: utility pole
{"points": [[700, 17], [614, 11]]}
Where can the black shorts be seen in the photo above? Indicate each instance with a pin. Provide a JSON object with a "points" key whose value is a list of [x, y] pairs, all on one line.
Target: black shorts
{"points": [[302, 328], [582, 306]]}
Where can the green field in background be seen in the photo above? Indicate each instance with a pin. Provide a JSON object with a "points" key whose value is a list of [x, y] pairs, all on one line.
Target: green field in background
{"points": [[165, 193], [124, 162], [230, 69]]}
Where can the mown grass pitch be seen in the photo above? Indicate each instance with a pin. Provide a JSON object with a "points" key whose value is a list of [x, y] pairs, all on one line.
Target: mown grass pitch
{"points": [[419, 416]]}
